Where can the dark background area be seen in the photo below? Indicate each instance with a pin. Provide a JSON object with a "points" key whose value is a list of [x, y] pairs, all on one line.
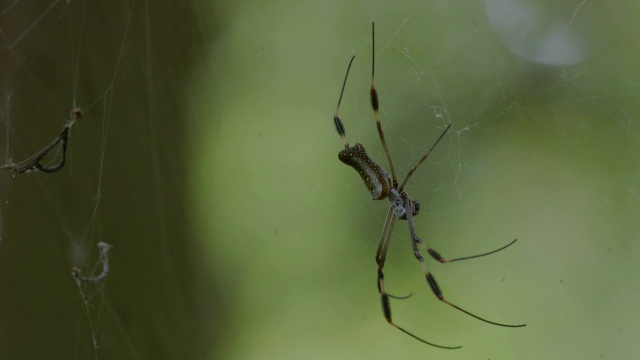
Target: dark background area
{"points": [[124, 183]]}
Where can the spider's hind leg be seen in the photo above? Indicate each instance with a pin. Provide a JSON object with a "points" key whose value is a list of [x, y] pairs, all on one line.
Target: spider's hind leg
{"points": [[415, 241]]}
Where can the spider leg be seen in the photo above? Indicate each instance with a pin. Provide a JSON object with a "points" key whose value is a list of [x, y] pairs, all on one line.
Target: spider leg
{"points": [[336, 119], [375, 103], [383, 244], [434, 254], [422, 159], [381, 254], [415, 240]]}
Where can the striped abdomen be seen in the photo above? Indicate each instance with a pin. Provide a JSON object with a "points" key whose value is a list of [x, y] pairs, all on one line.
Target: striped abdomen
{"points": [[375, 178]]}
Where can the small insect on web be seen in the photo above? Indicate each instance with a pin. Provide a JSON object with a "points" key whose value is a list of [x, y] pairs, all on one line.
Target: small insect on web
{"points": [[104, 249], [80, 279], [34, 163], [402, 207]]}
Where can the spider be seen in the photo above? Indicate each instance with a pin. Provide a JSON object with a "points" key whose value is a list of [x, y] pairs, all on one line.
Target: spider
{"points": [[402, 207]]}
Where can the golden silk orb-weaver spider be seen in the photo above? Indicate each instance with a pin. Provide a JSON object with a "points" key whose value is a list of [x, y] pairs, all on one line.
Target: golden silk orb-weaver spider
{"points": [[402, 207]]}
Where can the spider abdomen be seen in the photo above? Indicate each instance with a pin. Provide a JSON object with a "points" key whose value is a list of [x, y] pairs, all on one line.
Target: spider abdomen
{"points": [[375, 177]]}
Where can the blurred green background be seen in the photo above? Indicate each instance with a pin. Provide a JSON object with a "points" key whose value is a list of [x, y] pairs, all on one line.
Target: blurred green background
{"points": [[207, 157]]}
